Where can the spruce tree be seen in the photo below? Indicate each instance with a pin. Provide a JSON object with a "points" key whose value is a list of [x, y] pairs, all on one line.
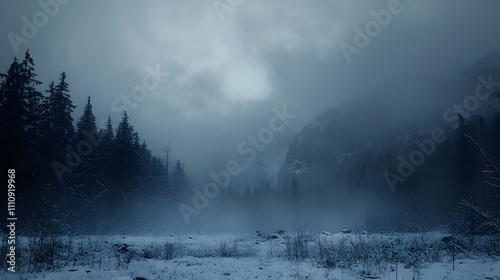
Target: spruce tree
{"points": [[105, 179], [12, 114], [167, 170], [12, 139], [125, 160], [12, 117], [59, 121], [86, 125], [32, 97], [179, 184], [63, 108], [106, 145], [86, 136], [32, 132]]}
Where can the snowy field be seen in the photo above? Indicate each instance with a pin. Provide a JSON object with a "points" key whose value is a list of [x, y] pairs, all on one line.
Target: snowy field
{"points": [[274, 255]]}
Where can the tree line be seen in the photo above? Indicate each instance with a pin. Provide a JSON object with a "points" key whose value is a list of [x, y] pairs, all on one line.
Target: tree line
{"points": [[74, 175]]}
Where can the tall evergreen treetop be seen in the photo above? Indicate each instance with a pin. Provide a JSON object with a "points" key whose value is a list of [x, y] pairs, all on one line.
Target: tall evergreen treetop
{"points": [[125, 155], [13, 108], [125, 132], [58, 113], [32, 97], [107, 133], [86, 123], [65, 106]]}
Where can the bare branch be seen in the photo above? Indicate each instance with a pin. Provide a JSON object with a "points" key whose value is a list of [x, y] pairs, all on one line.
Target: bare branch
{"points": [[485, 156], [491, 184]]}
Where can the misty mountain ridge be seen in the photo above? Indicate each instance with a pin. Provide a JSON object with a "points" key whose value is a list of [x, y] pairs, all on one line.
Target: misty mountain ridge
{"points": [[363, 138], [486, 65], [329, 144]]}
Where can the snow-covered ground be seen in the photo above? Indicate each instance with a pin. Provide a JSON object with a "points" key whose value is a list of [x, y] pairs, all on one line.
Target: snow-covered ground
{"points": [[279, 255]]}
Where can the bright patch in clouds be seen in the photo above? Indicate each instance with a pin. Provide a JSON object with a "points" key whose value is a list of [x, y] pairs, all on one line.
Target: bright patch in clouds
{"points": [[246, 81]]}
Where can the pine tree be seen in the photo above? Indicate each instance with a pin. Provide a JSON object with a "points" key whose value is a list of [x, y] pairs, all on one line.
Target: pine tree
{"points": [[48, 117], [179, 185], [86, 134], [125, 160], [12, 139], [58, 130], [51, 148], [12, 117], [167, 169], [32, 97], [142, 166], [33, 159], [152, 171], [12, 106], [158, 175], [86, 124], [108, 133], [58, 115], [63, 109], [106, 151], [105, 180]]}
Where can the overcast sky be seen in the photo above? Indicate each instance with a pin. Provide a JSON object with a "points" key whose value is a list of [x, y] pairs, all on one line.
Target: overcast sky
{"points": [[228, 70]]}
